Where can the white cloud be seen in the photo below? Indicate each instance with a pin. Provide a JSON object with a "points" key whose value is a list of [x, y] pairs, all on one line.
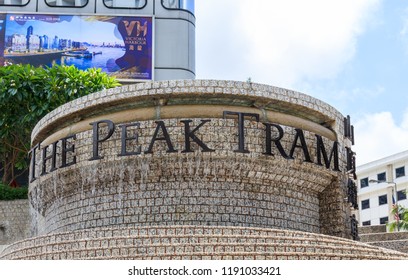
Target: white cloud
{"points": [[378, 135], [279, 42], [219, 42]]}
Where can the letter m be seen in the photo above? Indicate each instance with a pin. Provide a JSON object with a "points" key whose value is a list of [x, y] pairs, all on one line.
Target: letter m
{"points": [[321, 153]]}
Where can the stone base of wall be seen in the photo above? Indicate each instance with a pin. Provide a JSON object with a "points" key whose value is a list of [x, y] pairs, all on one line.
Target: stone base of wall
{"points": [[397, 241], [194, 243], [396, 245]]}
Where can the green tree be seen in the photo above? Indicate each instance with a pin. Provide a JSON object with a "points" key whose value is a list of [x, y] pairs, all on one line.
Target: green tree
{"points": [[27, 94]]}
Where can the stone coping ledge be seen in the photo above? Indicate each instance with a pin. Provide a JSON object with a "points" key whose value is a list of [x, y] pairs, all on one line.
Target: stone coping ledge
{"points": [[384, 236], [372, 229], [195, 92]]}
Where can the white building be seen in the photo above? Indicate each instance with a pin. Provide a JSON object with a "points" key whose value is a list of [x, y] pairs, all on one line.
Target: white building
{"points": [[18, 43], [377, 183]]}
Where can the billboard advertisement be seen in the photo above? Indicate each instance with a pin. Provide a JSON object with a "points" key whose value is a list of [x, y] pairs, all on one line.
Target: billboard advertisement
{"points": [[122, 46]]}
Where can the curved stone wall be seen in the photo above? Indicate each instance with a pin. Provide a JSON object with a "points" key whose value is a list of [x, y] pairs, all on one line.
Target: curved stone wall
{"points": [[198, 152], [192, 170]]}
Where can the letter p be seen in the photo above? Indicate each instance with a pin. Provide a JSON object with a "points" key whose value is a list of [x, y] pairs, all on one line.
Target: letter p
{"points": [[97, 139]]}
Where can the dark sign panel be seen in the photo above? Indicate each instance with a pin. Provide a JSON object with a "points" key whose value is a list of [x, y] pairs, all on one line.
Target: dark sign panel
{"points": [[121, 46]]}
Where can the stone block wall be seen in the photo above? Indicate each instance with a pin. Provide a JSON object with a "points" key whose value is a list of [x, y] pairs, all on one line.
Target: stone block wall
{"points": [[193, 170], [217, 188], [396, 245], [194, 243], [167, 183], [397, 241], [14, 221], [372, 229]]}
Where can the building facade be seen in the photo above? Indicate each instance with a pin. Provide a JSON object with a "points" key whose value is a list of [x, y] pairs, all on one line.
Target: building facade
{"points": [[382, 184], [147, 40]]}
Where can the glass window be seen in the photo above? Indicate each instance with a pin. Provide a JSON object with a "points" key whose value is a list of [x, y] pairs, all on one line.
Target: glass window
{"points": [[367, 223], [364, 182], [365, 204], [381, 177], [66, 3], [136, 4], [179, 4], [14, 2], [382, 199], [171, 4], [383, 220], [401, 195], [400, 172]]}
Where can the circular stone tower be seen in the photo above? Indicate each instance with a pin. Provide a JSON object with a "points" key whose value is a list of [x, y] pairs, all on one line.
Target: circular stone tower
{"points": [[193, 169]]}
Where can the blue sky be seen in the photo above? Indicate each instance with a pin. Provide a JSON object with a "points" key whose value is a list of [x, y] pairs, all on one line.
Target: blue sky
{"points": [[351, 54]]}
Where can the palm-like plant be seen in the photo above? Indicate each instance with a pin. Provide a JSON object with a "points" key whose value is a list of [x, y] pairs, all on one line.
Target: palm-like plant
{"points": [[402, 223]]}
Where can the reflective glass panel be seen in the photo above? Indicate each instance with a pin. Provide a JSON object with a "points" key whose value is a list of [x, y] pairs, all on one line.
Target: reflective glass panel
{"points": [[66, 3], [124, 3], [179, 4], [14, 2]]}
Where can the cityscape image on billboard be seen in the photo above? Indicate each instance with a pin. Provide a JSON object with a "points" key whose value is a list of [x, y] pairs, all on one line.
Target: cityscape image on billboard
{"points": [[119, 45]]}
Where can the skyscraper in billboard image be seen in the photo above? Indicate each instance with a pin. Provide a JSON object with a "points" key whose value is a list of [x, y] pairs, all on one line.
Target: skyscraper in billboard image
{"points": [[119, 45]]}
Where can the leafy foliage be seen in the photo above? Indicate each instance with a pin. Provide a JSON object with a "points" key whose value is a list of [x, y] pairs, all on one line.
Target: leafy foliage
{"points": [[403, 222], [9, 193], [27, 94]]}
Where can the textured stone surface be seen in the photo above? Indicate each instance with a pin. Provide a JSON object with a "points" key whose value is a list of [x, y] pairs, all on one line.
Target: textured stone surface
{"points": [[14, 221], [385, 236], [372, 229], [391, 240], [397, 245], [217, 188], [194, 243]]}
